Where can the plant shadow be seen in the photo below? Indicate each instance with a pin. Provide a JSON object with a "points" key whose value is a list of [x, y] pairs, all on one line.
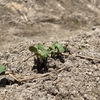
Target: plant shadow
{"points": [[40, 68], [60, 57], [5, 81]]}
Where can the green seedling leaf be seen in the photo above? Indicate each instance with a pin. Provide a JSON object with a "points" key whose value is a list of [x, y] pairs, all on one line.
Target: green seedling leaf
{"points": [[42, 55], [2, 69], [56, 47], [40, 47], [52, 48], [43, 51], [59, 47], [39, 51], [33, 49]]}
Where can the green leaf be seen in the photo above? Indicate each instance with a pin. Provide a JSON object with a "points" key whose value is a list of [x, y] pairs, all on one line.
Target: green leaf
{"points": [[56, 47], [42, 55], [33, 49], [2, 69], [59, 47], [52, 48], [39, 51], [40, 47]]}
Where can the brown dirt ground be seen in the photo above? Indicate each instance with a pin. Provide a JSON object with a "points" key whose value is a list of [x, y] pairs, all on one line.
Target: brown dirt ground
{"points": [[73, 22]]}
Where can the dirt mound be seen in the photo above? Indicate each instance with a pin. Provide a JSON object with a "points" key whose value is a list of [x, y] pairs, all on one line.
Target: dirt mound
{"points": [[78, 78], [72, 22]]}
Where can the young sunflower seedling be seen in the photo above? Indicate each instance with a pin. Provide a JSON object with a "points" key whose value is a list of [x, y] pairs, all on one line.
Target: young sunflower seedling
{"points": [[41, 56], [56, 49]]}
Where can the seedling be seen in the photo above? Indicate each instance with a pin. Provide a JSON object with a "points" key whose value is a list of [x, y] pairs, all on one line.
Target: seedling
{"points": [[41, 56], [56, 49], [2, 69]]}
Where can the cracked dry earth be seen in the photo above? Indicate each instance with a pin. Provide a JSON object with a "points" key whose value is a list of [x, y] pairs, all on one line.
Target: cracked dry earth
{"points": [[78, 80]]}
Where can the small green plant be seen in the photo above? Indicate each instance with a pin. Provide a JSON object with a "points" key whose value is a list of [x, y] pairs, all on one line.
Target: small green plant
{"points": [[2, 69], [56, 49], [42, 54]]}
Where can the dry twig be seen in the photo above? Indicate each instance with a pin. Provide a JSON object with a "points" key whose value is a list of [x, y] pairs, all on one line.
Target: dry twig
{"points": [[65, 54], [25, 78], [88, 57], [35, 76], [26, 59], [11, 74]]}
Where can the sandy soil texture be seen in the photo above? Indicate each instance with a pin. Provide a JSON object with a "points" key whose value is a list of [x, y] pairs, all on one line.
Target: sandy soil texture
{"points": [[75, 23]]}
